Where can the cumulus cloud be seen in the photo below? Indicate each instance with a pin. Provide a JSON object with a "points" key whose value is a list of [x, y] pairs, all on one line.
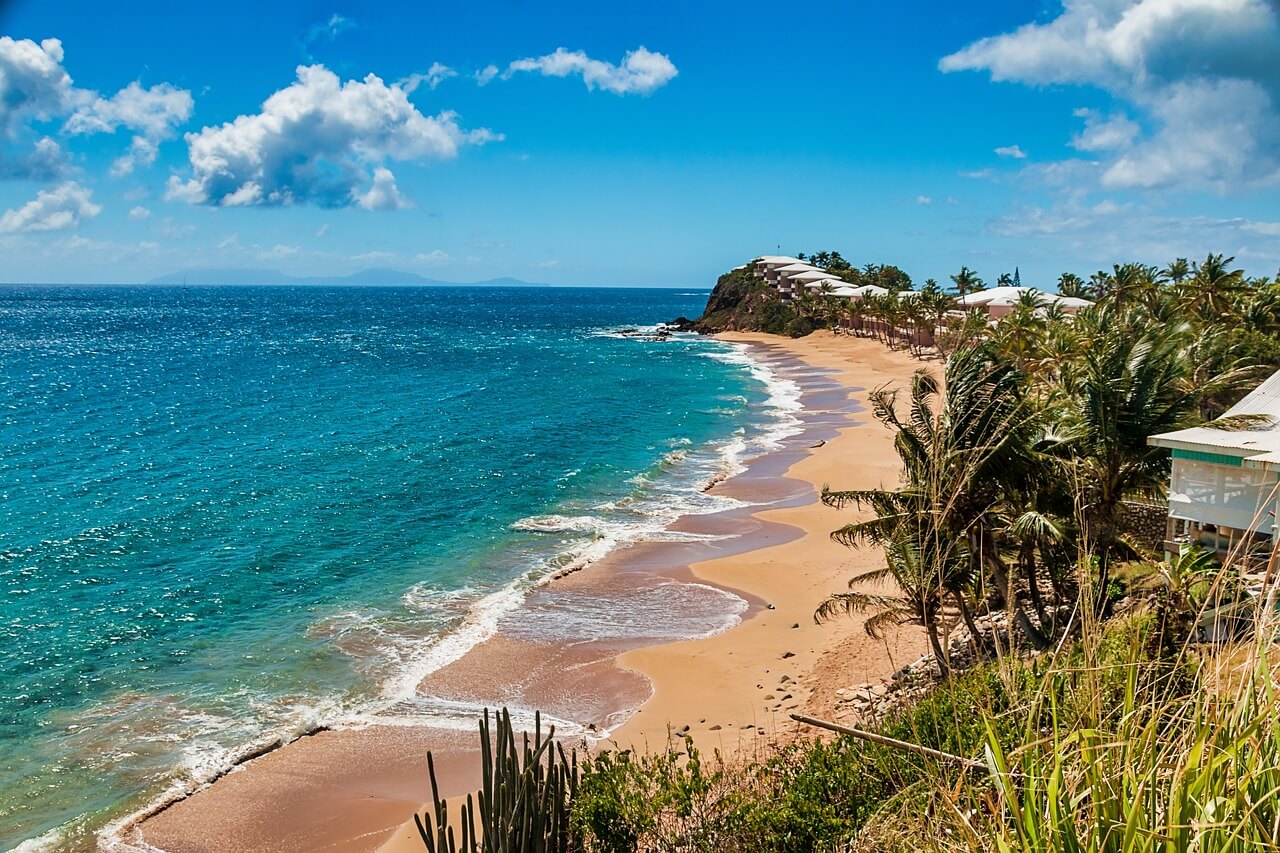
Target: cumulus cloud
{"points": [[33, 83], [641, 71], [485, 75], [1200, 74], [1104, 134], [924, 199], [139, 212], [383, 195], [432, 77], [51, 210], [152, 113], [1012, 151], [319, 141], [34, 87]]}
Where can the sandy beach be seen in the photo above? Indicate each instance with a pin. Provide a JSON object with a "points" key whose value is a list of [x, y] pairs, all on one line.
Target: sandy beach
{"points": [[739, 686], [356, 789]]}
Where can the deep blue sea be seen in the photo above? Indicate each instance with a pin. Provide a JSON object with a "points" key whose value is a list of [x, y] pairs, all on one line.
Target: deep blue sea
{"points": [[227, 512]]}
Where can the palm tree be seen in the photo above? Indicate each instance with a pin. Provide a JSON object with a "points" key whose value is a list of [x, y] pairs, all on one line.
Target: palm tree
{"points": [[1177, 270], [1132, 283], [1070, 284], [1020, 333], [917, 561], [966, 281], [956, 461], [1132, 384], [1213, 289], [934, 300]]}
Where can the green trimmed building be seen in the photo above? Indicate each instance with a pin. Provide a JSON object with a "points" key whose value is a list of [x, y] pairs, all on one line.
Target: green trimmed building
{"points": [[1224, 484]]}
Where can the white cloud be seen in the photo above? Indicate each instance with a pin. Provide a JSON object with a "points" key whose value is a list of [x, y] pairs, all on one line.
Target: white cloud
{"points": [[33, 83], [1011, 151], [383, 195], [322, 230], [924, 199], [436, 256], [328, 29], [139, 212], [151, 113], [51, 210], [279, 251], [548, 265], [978, 174], [1105, 232], [1104, 134], [1200, 74], [434, 76], [640, 72], [485, 75], [316, 142], [34, 87]]}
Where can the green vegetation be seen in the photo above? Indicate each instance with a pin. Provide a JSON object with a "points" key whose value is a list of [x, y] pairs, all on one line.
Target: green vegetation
{"points": [[524, 801], [1077, 724], [1100, 746]]}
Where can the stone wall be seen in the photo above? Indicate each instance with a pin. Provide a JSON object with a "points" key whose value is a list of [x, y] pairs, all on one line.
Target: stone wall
{"points": [[1145, 523]]}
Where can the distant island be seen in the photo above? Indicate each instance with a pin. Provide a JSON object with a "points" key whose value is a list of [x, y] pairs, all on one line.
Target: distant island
{"points": [[243, 275]]}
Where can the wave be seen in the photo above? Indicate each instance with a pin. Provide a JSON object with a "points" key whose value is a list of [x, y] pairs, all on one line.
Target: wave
{"points": [[677, 485]]}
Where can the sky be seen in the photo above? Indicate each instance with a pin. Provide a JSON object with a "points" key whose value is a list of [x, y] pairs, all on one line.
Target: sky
{"points": [[622, 144]]}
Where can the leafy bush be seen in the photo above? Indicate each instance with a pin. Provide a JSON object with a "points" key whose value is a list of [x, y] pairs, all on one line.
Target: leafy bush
{"points": [[801, 326]]}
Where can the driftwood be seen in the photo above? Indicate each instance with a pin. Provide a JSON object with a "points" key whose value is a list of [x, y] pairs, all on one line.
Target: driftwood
{"points": [[966, 763]]}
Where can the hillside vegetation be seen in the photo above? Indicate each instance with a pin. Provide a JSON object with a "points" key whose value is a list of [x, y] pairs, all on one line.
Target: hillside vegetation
{"points": [[1072, 705]]}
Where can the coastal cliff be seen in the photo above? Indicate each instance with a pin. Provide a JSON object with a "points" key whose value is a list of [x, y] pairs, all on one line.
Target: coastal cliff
{"points": [[740, 302]]}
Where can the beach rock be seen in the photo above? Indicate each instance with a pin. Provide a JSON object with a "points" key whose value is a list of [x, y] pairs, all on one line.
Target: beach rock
{"points": [[788, 655]]}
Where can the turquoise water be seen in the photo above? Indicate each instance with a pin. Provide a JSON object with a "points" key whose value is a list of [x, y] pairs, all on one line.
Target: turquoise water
{"points": [[235, 511]]}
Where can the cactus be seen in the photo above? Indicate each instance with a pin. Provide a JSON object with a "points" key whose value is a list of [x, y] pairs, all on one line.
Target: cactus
{"points": [[524, 800]]}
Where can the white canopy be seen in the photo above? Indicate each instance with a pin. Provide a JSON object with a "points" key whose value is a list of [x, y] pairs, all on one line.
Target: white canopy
{"points": [[814, 275]]}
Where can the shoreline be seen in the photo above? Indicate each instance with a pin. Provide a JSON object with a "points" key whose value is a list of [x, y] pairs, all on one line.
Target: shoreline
{"points": [[739, 675], [377, 772]]}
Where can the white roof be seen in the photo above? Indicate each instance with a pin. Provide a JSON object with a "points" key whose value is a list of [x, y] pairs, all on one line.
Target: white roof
{"points": [[774, 260], [846, 292], [813, 275], [1259, 448], [1011, 295], [869, 290], [800, 266]]}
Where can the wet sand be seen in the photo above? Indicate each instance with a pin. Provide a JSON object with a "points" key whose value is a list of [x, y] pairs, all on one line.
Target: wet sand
{"points": [[355, 789]]}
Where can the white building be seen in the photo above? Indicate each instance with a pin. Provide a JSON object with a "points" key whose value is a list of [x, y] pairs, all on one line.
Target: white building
{"points": [[999, 301], [787, 274], [1224, 483]]}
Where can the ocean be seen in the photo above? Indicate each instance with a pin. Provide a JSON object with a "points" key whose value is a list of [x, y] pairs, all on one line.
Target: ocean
{"points": [[233, 514]]}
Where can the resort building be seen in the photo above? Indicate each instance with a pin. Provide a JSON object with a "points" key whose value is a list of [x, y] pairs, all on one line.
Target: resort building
{"points": [[1224, 483], [999, 301], [788, 274]]}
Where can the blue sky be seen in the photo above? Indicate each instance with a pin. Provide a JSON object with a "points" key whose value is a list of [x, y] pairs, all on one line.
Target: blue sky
{"points": [[580, 144]]}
